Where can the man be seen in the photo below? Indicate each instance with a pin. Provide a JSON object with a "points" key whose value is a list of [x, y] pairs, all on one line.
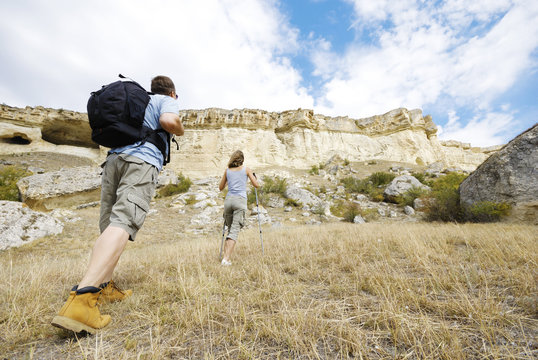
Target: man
{"points": [[127, 187]]}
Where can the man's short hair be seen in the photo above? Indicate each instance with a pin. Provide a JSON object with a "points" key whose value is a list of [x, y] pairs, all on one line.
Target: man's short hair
{"points": [[162, 85]]}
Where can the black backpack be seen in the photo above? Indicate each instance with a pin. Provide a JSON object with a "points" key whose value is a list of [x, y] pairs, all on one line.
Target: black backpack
{"points": [[116, 115]]}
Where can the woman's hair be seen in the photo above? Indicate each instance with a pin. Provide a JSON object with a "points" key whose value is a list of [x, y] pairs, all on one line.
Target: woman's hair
{"points": [[162, 85], [236, 159]]}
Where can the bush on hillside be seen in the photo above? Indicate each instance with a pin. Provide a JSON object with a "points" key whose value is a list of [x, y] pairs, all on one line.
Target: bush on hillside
{"points": [[487, 211], [292, 202], [348, 210], [354, 185], [183, 185], [373, 185], [263, 198], [314, 170], [445, 199], [420, 177], [381, 178], [410, 195], [9, 175], [275, 185]]}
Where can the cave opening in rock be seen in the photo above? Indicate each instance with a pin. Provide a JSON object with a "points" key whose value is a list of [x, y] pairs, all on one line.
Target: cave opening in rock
{"points": [[17, 140]]}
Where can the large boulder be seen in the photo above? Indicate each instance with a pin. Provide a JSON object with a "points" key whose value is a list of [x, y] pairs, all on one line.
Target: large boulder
{"points": [[20, 225], [301, 195], [61, 189], [510, 175], [400, 185]]}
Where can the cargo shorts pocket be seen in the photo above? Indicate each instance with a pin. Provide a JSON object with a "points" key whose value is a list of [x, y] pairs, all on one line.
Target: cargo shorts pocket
{"points": [[140, 208]]}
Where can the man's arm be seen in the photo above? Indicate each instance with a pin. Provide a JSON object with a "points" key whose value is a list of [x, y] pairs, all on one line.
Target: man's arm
{"points": [[171, 123]]}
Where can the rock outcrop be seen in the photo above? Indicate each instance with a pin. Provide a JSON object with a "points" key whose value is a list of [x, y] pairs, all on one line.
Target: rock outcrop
{"points": [[61, 189], [300, 138], [400, 185], [20, 225], [295, 138], [510, 175]]}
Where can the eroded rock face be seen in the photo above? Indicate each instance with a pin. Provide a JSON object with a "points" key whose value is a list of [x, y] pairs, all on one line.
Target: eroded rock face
{"points": [[297, 138], [60, 127], [20, 225], [61, 189], [510, 175]]}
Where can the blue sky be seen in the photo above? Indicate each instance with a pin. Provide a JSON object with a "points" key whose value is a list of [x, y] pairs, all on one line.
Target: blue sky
{"points": [[472, 65]]}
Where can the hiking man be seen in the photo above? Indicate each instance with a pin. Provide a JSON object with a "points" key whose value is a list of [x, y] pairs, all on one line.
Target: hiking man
{"points": [[127, 186], [235, 204]]}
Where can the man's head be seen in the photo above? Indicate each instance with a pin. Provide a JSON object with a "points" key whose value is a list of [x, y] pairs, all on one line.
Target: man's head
{"points": [[163, 85]]}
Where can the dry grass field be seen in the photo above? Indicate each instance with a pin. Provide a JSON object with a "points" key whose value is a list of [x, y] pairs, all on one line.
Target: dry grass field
{"points": [[336, 291]]}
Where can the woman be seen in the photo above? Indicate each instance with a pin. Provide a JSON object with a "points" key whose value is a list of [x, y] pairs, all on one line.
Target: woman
{"points": [[235, 203]]}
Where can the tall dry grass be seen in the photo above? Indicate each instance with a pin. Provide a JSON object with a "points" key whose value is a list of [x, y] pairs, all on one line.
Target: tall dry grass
{"points": [[373, 291]]}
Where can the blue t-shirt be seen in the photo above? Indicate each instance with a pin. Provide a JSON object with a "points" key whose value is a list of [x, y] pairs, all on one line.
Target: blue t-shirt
{"points": [[158, 105]]}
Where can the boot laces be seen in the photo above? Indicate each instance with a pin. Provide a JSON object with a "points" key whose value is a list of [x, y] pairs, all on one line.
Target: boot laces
{"points": [[115, 287]]}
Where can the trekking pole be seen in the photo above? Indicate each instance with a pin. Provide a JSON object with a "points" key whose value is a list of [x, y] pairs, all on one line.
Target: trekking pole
{"points": [[258, 211], [222, 242]]}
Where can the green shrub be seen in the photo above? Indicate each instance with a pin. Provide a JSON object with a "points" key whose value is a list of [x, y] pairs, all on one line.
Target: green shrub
{"points": [[346, 209], [445, 203], [487, 211], [314, 170], [450, 181], [263, 198], [370, 214], [351, 210], [346, 162], [338, 208], [420, 177], [376, 194], [9, 175], [183, 185], [318, 209], [292, 202], [381, 178], [366, 186], [410, 195], [275, 185], [190, 200], [354, 185]]}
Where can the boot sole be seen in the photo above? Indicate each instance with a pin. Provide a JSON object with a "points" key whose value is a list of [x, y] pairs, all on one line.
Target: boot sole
{"points": [[66, 323]]}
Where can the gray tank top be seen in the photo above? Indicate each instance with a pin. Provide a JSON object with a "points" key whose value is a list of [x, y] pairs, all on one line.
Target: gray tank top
{"points": [[237, 182]]}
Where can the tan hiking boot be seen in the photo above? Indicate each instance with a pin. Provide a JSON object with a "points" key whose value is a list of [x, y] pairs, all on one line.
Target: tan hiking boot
{"points": [[111, 292], [80, 312]]}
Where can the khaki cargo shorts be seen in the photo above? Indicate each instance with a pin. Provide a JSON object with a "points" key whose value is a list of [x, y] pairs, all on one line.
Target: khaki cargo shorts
{"points": [[127, 187]]}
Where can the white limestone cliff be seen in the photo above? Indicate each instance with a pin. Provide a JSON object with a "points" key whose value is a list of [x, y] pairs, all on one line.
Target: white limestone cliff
{"points": [[294, 138]]}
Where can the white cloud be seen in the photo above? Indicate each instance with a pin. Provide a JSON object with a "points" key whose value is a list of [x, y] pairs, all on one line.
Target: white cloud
{"points": [[455, 53], [485, 129], [219, 53], [451, 54]]}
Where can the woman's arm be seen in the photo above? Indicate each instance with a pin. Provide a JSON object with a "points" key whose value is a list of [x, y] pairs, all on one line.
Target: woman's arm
{"points": [[252, 178], [223, 181]]}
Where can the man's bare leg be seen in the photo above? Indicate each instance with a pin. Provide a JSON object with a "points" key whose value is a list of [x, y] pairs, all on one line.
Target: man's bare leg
{"points": [[105, 255]]}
